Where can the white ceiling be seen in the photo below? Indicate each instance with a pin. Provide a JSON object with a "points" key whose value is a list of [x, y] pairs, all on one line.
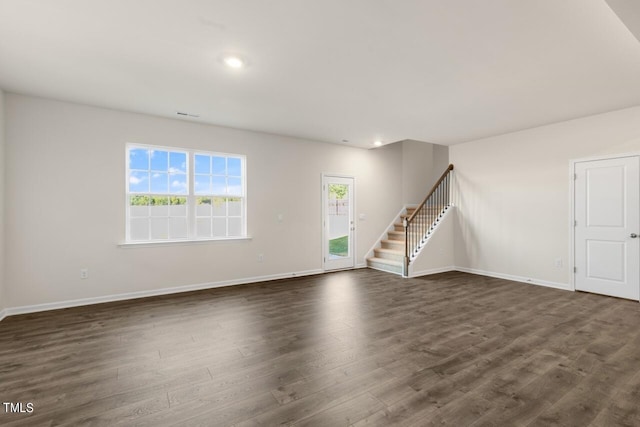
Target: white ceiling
{"points": [[442, 71]]}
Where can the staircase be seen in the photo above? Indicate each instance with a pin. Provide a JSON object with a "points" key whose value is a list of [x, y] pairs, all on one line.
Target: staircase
{"points": [[393, 253], [390, 256]]}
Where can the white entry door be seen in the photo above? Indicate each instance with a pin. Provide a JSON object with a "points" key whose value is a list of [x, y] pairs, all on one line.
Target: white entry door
{"points": [[607, 246], [339, 230]]}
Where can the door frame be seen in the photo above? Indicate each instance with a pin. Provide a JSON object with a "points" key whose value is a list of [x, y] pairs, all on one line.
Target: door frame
{"points": [[572, 203], [323, 177]]}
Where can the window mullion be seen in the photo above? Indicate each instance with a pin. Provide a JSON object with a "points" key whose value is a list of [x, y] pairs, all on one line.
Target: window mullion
{"points": [[191, 199]]}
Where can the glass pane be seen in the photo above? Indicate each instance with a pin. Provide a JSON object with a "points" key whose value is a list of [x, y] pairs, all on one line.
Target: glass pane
{"points": [[339, 247], [203, 164], [203, 206], [159, 160], [235, 227], [138, 158], [219, 184], [160, 210], [234, 186], [219, 165], [159, 206], [159, 228], [202, 184], [234, 166], [338, 191], [178, 183], [178, 228], [139, 229], [219, 227], [177, 162], [178, 206], [203, 227], [138, 182], [158, 200], [235, 206], [159, 182], [174, 201], [139, 205], [139, 211], [338, 212], [219, 206]]}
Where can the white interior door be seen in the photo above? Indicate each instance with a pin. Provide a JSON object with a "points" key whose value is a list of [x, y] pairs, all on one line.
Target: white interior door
{"points": [[607, 247], [339, 229]]}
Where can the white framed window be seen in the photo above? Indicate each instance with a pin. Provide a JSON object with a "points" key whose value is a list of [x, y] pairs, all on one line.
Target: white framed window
{"points": [[175, 194]]}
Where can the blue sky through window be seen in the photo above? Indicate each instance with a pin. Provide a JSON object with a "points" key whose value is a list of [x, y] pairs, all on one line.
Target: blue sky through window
{"points": [[165, 172], [218, 175], [157, 171], [234, 166]]}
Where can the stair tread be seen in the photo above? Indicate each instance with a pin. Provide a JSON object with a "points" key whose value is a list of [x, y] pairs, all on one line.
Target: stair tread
{"points": [[393, 242], [389, 251]]}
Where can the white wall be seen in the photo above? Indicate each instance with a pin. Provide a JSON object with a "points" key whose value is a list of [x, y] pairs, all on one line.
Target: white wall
{"points": [[440, 161], [514, 202], [2, 218], [70, 159], [439, 253], [422, 165]]}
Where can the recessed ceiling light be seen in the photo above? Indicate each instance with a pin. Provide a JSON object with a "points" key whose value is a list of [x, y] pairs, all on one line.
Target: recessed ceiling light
{"points": [[377, 143], [233, 61]]}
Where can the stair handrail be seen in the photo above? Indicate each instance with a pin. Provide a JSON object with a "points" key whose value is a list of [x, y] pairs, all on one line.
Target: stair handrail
{"points": [[433, 190], [419, 212]]}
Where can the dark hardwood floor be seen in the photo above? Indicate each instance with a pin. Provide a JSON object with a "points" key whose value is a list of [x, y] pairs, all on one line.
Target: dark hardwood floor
{"points": [[361, 348]]}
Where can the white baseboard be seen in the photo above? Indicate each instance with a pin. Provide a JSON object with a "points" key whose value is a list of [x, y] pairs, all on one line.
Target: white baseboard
{"points": [[156, 292], [432, 271], [556, 285], [11, 311]]}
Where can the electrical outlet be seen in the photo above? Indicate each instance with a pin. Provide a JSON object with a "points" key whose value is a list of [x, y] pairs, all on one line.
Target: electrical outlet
{"points": [[84, 273], [260, 257], [558, 263]]}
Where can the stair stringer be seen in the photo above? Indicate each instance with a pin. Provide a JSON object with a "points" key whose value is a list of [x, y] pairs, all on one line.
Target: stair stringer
{"points": [[436, 255]]}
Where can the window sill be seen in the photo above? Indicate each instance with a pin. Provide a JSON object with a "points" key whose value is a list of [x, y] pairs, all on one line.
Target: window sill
{"points": [[181, 242]]}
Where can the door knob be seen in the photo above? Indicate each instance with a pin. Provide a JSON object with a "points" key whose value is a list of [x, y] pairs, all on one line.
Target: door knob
{"points": [[633, 235]]}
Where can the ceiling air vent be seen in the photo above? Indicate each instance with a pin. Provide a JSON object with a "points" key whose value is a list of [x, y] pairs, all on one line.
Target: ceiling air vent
{"points": [[180, 113]]}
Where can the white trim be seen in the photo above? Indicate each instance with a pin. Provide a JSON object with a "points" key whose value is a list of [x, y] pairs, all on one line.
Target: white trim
{"points": [[188, 288], [390, 272], [572, 205], [437, 222], [190, 195], [531, 281], [605, 157], [156, 292], [325, 243], [571, 261], [432, 271], [145, 243]]}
